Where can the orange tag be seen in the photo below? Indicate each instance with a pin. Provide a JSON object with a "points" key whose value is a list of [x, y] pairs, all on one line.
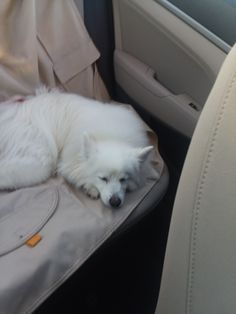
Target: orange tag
{"points": [[34, 240]]}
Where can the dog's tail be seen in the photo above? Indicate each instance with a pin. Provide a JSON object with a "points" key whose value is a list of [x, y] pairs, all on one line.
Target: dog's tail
{"points": [[43, 89]]}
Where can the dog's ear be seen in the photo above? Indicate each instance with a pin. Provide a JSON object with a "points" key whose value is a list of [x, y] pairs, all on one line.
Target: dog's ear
{"points": [[89, 145], [142, 153]]}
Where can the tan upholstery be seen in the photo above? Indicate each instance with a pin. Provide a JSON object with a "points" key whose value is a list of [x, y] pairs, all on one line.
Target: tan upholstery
{"points": [[199, 275]]}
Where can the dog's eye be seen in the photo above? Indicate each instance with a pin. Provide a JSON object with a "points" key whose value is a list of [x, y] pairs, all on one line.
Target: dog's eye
{"points": [[105, 179], [122, 180]]}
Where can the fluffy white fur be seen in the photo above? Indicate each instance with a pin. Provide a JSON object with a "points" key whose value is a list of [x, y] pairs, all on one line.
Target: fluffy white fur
{"points": [[98, 147]]}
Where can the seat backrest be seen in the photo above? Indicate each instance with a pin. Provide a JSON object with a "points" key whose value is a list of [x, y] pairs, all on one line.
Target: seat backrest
{"points": [[80, 6], [199, 275]]}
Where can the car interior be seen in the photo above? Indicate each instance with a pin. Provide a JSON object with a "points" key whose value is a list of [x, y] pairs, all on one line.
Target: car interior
{"points": [[176, 255]]}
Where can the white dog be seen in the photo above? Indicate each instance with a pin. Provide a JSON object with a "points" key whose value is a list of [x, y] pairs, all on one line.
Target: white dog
{"points": [[98, 147]]}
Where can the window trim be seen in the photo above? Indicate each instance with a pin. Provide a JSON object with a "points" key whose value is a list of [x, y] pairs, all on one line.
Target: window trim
{"points": [[220, 43]]}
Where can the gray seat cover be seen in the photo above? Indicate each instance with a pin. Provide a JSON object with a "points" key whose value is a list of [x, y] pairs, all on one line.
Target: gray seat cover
{"points": [[55, 50]]}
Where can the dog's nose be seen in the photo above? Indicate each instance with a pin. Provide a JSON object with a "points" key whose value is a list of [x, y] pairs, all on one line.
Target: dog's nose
{"points": [[115, 201]]}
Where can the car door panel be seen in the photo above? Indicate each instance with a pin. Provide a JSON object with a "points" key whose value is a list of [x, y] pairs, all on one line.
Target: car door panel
{"points": [[165, 65]]}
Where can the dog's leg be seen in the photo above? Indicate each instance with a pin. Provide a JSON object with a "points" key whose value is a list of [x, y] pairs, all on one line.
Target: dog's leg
{"points": [[21, 172], [91, 191]]}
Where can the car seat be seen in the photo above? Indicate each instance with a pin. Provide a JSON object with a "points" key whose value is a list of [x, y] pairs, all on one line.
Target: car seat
{"points": [[200, 261], [47, 232]]}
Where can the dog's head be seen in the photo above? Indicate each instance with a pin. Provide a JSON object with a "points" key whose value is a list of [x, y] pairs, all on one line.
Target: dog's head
{"points": [[113, 168]]}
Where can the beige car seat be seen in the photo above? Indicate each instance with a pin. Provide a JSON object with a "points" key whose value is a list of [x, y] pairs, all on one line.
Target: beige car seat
{"points": [[199, 275]]}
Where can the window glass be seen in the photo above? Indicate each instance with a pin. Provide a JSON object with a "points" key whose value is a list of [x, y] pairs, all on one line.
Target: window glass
{"points": [[219, 16]]}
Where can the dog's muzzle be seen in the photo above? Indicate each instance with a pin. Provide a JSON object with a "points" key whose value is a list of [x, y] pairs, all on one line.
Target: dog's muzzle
{"points": [[115, 201]]}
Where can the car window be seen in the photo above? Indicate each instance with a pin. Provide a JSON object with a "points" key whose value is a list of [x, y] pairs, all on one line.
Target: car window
{"points": [[218, 16]]}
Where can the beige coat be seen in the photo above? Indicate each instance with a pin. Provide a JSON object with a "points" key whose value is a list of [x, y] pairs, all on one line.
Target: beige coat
{"points": [[45, 42]]}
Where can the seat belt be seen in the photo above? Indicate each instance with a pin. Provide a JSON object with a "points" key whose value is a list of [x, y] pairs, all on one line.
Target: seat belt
{"points": [[98, 20]]}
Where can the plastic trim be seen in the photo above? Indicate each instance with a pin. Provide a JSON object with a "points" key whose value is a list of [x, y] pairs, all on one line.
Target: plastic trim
{"points": [[195, 25]]}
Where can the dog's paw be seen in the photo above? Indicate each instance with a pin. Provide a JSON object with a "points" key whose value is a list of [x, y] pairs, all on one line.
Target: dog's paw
{"points": [[92, 192]]}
